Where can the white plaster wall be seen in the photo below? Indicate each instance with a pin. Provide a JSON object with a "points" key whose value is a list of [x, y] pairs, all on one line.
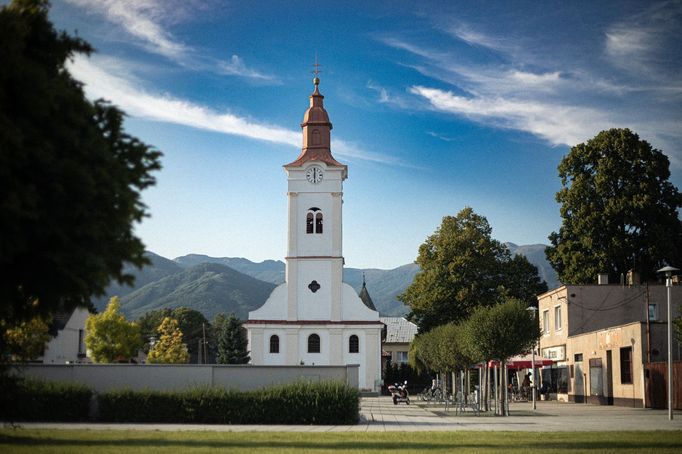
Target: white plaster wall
{"points": [[105, 377], [314, 306], [275, 307], [353, 308], [331, 182], [372, 372], [64, 346], [315, 244], [274, 359], [318, 359]]}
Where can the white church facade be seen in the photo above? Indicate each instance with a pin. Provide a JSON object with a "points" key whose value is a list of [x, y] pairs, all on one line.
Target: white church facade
{"points": [[314, 318]]}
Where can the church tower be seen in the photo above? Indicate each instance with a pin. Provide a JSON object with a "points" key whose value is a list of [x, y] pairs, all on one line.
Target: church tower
{"points": [[315, 318]]}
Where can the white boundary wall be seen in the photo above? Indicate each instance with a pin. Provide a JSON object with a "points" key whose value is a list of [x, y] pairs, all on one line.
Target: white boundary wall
{"points": [[165, 377]]}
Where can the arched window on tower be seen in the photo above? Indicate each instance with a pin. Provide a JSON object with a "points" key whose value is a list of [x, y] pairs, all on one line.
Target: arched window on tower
{"points": [[274, 343], [353, 344], [313, 220], [309, 223], [316, 137], [313, 343], [318, 223]]}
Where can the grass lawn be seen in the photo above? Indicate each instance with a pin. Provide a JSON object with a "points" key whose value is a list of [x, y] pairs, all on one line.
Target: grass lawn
{"points": [[123, 442]]}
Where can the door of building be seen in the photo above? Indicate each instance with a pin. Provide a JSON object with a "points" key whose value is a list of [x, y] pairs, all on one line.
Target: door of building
{"points": [[596, 380], [609, 378], [579, 388]]}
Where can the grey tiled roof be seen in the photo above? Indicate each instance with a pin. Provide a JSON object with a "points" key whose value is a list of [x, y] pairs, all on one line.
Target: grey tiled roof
{"points": [[398, 330]]}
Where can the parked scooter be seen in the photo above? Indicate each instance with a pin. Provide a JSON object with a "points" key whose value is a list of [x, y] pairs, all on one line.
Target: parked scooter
{"points": [[399, 393]]}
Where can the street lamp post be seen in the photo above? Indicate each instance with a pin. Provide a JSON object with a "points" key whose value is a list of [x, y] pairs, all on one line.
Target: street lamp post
{"points": [[534, 310], [668, 271]]}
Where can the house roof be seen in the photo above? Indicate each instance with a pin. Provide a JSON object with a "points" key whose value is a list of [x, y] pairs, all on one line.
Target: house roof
{"points": [[364, 295], [398, 330], [59, 321]]}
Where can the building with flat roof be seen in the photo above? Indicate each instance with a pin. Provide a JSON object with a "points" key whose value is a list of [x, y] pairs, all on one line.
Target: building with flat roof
{"points": [[601, 338]]}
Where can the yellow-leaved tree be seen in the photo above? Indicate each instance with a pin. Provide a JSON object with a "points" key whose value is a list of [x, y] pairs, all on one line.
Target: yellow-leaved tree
{"points": [[169, 349], [110, 337], [26, 341]]}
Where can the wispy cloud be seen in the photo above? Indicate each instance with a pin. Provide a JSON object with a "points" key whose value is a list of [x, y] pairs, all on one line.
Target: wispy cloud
{"points": [[385, 97], [555, 123], [563, 105], [476, 38], [143, 21], [641, 44], [100, 82]]}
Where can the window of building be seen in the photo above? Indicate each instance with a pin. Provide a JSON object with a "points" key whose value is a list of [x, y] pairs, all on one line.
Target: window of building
{"points": [[626, 365], [313, 343], [309, 225], [313, 220], [353, 344], [545, 322], [316, 137], [557, 318], [653, 312], [81, 343], [578, 358], [318, 223], [274, 344], [401, 357]]}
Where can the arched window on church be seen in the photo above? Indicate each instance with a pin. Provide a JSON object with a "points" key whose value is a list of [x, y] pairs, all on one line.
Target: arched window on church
{"points": [[318, 223], [313, 220], [274, 343], [353, 344], [309, 223], [316, 137], [313, 343]]}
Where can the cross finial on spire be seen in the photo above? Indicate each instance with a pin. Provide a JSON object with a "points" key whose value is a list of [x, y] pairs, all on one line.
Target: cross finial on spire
{"points": [[316, 71]]}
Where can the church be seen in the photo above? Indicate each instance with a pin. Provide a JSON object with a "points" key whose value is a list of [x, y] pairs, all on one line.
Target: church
{"points": [[314, 318]]}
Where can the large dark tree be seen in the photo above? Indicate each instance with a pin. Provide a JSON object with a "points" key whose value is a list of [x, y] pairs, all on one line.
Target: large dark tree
{"points": [[619, 210], [70, 177], [462, 268], [232, 342]]}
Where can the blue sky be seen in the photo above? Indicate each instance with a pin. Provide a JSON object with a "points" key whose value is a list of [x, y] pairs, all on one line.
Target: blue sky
{"points": [[435, 105]]}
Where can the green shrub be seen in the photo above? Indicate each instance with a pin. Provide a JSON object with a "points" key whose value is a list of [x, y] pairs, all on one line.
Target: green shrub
{"points": [[32, 400], [299, 403]]}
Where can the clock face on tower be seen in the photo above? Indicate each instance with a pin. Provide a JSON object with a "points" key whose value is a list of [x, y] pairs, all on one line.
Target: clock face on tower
{"points": [[314, 174]]}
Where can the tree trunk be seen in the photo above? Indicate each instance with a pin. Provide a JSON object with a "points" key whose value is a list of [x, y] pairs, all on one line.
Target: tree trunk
{"points": [[505, 385]]}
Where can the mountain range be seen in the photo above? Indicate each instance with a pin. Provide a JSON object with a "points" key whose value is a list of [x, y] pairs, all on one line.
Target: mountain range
{"points": [[215, 285]]}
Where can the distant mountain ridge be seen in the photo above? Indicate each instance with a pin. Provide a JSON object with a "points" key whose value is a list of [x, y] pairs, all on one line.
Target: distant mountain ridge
{"points": [[231, 284], [209, 288]]}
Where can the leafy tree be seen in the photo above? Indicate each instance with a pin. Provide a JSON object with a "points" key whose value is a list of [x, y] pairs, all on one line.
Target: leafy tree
{"points": [[110, 337], [70, 177], [191, 322], [462, 268], [232, 341], [500, 332], [441, 349], [26, 341], [169, 349], [618, 208]]}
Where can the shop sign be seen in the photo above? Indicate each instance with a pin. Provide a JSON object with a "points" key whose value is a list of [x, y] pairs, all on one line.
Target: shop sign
{"points": [[609, 339], [555, 353]]}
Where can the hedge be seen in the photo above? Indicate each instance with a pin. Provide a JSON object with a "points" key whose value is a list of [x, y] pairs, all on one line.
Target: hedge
{"points": [[299, 403], [32, 400]]}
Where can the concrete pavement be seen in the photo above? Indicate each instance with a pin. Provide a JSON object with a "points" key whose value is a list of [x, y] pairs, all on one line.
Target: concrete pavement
{"points": [[378, 414]]}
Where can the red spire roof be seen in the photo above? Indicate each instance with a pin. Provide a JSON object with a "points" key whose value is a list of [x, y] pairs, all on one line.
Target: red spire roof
{"points": [[316, 133]]}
